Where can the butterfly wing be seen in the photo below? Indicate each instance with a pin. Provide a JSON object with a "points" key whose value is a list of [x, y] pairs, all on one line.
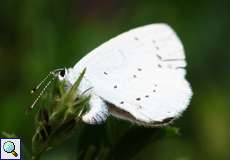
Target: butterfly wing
{"points": [[141, 72]]}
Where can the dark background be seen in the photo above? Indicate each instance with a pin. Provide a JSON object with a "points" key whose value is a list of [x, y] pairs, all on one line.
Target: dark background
{"points": [[37, 36]]}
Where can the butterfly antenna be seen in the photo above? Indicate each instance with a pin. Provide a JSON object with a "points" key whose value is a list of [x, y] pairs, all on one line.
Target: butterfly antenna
{"points": [[41, 93], [39, 85]]}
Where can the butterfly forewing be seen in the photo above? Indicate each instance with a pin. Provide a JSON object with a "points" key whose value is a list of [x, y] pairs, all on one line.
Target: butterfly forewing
{"points": [[141, 72]]}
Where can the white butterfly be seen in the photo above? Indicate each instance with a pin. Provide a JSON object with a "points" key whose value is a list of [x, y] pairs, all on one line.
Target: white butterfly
{"points": [[137, 76]]}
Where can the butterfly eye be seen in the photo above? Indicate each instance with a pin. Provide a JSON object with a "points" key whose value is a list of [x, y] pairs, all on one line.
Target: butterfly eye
{"points": [[62, 73]]}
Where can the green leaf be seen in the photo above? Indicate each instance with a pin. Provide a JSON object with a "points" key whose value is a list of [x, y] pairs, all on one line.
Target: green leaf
{"points": [[71, 94]]}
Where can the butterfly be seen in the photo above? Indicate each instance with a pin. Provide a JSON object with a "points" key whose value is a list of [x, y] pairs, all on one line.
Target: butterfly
{"points": [[138, 76]]}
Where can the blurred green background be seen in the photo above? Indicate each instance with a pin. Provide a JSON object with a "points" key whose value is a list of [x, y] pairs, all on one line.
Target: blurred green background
{"points": [[37, 36]]}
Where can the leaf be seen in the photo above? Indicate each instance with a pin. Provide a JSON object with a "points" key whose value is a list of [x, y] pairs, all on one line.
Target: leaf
{"points": [[71, 94]]}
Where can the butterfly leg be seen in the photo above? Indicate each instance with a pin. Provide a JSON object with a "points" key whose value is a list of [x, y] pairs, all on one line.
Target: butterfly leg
{"points": [[98, 112]]}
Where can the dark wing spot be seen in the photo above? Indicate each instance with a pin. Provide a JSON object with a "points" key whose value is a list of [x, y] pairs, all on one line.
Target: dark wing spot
{"points": [[139, 69], [146, 96], [136, 38], [159, 65], [134, 76], [154, 90], [138, 99], [105, 73], [122, 102], [115, 86], [155, 85], [139, 107], [159, 57]]}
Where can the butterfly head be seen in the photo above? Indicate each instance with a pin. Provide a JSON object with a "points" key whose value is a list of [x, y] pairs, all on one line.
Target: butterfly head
{"points": [[61, 74]]}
